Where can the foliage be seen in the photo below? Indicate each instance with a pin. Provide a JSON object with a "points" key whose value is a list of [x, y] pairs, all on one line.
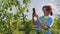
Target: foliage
{"points": [[9, 22], [56, 27]]}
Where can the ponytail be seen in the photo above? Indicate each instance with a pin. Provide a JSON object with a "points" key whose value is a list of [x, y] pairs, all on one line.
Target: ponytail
{"points": [[51, 13]]}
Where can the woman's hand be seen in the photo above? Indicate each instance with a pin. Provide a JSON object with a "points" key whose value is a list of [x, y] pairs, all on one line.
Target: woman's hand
{"points": [[35, 15], [32, 14], [33, 19], [41, 24]]}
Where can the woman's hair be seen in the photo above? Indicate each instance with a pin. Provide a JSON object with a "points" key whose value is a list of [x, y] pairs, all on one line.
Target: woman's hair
{"points": [[48, 8]]}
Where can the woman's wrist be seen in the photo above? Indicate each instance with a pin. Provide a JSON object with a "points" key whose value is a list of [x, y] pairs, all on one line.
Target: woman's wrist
{"points": [[37, 17]]}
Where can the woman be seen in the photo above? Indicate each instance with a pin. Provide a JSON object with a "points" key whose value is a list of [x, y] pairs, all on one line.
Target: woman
{"points": [[43, 22]]}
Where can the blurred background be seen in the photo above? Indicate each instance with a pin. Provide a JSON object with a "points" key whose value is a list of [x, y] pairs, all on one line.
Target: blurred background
{"points": [[16, 16]]}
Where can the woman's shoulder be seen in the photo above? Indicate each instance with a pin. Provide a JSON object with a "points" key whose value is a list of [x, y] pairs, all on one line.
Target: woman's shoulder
{"points": [[41, 16], [51, 17]]}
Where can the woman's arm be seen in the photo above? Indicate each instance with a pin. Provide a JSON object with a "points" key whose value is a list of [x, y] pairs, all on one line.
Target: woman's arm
{"points": [[33, 19], [41, 24]]}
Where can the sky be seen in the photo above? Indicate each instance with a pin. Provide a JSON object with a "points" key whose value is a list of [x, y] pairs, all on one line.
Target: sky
{"points": [[38, 4]]}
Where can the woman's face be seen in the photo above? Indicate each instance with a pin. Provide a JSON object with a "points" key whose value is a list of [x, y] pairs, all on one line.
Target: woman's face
{"points": [[46, 12]]}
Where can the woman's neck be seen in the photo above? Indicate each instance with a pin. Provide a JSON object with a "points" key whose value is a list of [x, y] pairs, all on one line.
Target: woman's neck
{"points": [[45, 15]]}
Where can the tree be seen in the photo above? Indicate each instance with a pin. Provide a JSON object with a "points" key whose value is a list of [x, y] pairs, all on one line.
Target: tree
{"points": [[9, 23]]}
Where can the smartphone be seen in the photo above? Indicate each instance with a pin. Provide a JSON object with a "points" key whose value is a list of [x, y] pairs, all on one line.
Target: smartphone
{"points": [[33, 10]]}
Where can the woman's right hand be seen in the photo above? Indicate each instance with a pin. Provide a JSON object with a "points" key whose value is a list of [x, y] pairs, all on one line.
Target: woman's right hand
{"points": [[33, 19]]}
